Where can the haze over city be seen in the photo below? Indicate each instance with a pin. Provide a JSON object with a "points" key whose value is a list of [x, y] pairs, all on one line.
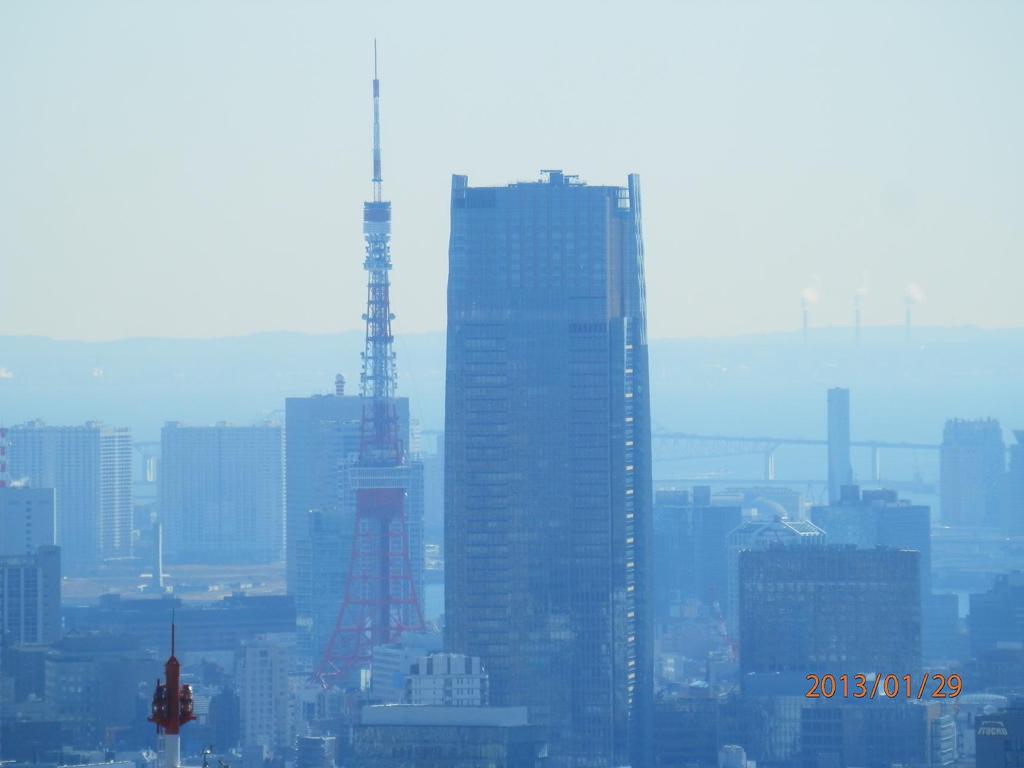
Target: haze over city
{"points": [[205, 162], [567, 385]]}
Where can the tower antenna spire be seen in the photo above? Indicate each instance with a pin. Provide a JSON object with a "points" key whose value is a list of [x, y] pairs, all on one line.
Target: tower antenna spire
{"points": [[378, 181]]}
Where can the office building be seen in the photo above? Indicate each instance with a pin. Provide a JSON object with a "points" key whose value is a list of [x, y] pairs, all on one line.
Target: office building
{"points": [[322, 435], [90, 468], [996, 617], [688, 729], [834, 609], [872, 519], [999, 737], [447, 679], [690, 549], [222, 493], [261, 674], [972, 464], [840, 470], [884, 732], [547, 459], [30, 586], [760, 534], [28, 519], [447, 737]]}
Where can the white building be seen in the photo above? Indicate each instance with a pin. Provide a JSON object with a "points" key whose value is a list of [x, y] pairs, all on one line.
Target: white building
{"points": [[390, 664], [261, 673], [447, 679]]}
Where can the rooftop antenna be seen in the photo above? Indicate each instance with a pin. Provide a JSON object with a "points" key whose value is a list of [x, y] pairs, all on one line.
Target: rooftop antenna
{"points": [[808, 296], [378, 181]]}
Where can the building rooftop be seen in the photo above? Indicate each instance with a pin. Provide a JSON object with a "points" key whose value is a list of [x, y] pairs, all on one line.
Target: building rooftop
{"points": [[410, 714]]}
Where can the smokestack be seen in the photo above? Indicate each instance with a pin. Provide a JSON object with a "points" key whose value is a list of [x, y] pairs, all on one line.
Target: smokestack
{"points": [[808, 296], [914, 295], [856, 318]]}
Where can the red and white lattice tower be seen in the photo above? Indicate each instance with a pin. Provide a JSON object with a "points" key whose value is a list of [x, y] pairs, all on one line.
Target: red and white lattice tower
{"points": [[380, 600]]}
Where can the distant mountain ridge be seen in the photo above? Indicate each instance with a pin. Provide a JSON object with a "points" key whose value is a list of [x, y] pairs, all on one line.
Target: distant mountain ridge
{"points": [[755, 384]]}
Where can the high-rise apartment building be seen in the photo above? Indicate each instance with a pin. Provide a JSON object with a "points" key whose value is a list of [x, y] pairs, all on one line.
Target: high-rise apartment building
{"points": [[222, 493], [870, 519], [827, 610], [261, 674], [840, 471], [322, 435], [90, 467], [547, 459], [972, 464]]}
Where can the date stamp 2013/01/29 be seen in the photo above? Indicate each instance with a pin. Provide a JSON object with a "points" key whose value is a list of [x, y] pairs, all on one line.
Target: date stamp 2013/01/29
{"points": [[890, 686]]}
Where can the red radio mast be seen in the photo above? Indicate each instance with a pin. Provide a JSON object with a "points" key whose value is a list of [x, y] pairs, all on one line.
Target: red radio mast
{"points": [[172, 708], [380, 601]]}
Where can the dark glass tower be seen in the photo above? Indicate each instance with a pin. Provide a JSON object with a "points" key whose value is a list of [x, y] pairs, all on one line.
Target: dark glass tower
{"points": [[547, 459]]}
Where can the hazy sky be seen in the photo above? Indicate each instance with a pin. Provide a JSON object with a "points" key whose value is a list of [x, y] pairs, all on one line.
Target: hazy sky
{"points": [[197, 168]]}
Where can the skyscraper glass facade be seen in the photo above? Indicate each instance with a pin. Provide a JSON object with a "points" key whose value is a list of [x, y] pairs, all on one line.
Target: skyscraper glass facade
{"points": [[547, 458]]}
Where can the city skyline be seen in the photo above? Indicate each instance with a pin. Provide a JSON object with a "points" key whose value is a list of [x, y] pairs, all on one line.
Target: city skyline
{"points": [[817, 153], [722, 480]]}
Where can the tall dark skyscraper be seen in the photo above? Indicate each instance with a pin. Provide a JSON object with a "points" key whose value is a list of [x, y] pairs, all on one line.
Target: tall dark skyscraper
{"points": [[547, 459], [827, 610]]}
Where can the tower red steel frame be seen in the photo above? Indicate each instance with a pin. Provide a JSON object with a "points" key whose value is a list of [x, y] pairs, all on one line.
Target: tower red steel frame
{"points": [[172, 707], [380, 600]]}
